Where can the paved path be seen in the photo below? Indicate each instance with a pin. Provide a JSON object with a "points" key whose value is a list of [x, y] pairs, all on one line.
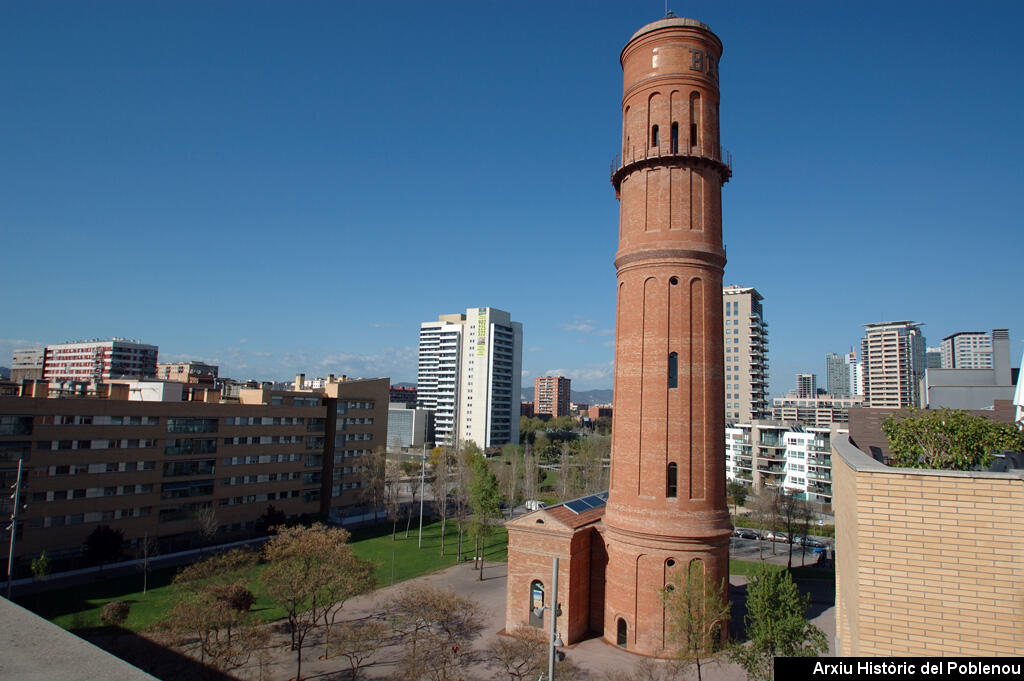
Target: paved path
{"points": [[594, 655]]}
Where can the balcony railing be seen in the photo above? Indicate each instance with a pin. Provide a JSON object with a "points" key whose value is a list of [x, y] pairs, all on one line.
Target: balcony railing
{"points": [[718, 157]]}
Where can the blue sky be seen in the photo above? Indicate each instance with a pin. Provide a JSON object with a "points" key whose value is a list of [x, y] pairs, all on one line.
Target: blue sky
{"points": [[279, 187]]}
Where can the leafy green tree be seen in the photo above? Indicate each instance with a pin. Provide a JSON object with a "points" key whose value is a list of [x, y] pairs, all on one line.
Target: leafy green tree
{"points": [[485, 500], [947, 439], [738, 492], [41, 566], [776, 625], [696, 611]]}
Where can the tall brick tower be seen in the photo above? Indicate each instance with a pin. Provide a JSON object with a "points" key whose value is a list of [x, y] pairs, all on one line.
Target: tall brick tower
{"points": [[666, 505]]}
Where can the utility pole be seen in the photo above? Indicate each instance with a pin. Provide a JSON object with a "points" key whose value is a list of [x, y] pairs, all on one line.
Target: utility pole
{"points": [[423, 474], [14, 527]]}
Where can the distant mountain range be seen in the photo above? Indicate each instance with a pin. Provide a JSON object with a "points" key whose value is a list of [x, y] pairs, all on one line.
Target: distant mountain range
{"points": [[587, 396]]}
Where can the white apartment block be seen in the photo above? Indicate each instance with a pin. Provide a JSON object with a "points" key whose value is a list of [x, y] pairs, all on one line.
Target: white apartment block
{"points": [[893, 360], [746, 354], [470, 373], [438, 371], [97, 361], [967, 350], [773, 455]]}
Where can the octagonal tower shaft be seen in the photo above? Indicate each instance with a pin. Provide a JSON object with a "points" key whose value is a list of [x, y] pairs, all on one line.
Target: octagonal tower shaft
{"points": [[666, 505]]}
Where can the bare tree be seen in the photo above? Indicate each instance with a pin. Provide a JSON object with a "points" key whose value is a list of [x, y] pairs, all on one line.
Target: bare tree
{"points": [[531, 473], [358, 642], [521, 655], [697, 613], [146, 549], [765, 513], [309, 570], [463, 477], [208, 522], [438, 628], [794, 514], [373, 494], [441, 458]]}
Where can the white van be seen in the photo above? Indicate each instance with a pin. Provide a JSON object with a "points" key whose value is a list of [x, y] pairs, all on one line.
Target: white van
{"points": [[534, 505]]}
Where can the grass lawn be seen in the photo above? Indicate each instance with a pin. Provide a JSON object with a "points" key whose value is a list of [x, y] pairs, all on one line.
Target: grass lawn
{"points": [[749, 567], [79, 607]]}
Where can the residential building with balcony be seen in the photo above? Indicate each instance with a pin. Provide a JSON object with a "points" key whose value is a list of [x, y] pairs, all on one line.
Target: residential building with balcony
{"points": [[821, 411], [193, 373], [967, 350], [470, 374], [893, 360], [98, 361], [746, 355], [780, 456], [551, 396], [149, 468]]}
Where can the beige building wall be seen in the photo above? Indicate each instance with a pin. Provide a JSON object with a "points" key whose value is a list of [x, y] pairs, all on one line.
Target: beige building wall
{"points": [[928, 562]]}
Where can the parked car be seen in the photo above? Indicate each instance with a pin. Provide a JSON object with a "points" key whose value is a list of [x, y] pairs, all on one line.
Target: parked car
{"points": [[813, 543], [778, 537], [745, 533]]}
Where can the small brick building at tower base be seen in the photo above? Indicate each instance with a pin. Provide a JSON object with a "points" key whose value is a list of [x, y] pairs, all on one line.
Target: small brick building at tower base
{"points": [[575, 538]]}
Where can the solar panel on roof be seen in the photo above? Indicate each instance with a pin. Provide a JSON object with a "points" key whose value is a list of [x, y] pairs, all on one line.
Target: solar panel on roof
{"points": [[582, 504]]}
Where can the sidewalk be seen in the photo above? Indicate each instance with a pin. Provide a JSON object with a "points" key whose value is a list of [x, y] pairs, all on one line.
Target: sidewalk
{"points": [[594, 655]]}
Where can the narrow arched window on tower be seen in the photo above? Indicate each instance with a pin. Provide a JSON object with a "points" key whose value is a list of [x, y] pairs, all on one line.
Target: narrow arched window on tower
{"points": [[675, 138], [694, 117], [654, 135], [620, 634], [673, 370], [670, 481]]}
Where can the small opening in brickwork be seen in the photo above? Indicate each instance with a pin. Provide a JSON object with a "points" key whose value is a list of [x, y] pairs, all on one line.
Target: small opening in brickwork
{"points": [[673, 370], [675, 138], [693, 134], [673, 281], [620, 634], [671, 487], [654, 136], [539, 521], [670, 562], [670, 587], [536, 601]]}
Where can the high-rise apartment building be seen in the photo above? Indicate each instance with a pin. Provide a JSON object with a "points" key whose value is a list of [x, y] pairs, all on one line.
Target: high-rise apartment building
{"points": [[746, 354], [933, 358], [967, 350], [893, 357], [438, 371], [839, 376], [806, 385], [97, 361], [470, 373], [551, 395]]}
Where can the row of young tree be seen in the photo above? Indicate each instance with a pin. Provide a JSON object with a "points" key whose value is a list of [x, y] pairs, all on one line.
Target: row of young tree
{"points": [[773, 510], [470, 488]]}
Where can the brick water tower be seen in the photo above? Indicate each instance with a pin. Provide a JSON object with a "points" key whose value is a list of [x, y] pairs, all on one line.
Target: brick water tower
{"points": [[666, 504]]}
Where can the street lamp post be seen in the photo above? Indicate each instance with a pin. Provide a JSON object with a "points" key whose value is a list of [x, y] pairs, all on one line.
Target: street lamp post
{"points": [[553, 639]]}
